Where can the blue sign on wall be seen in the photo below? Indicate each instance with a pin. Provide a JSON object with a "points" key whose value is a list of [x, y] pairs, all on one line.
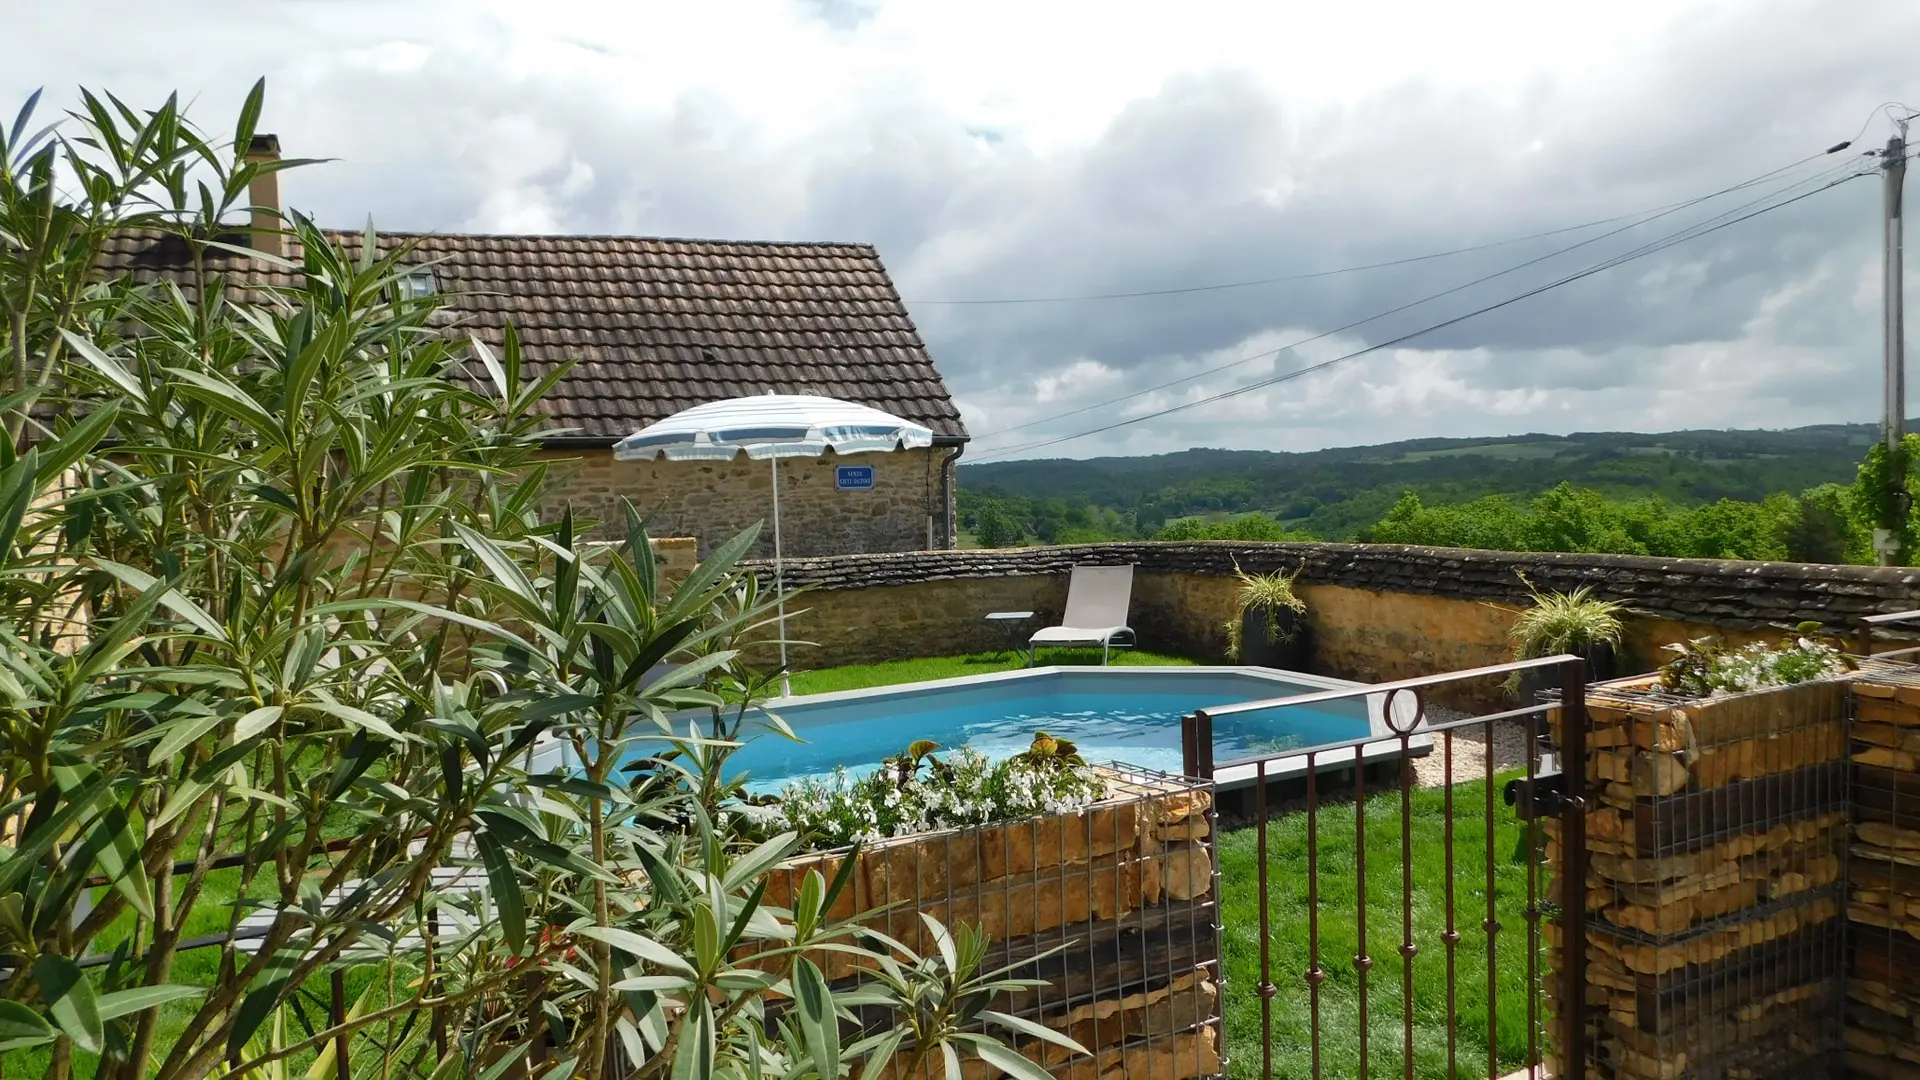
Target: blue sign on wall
{"points": [[854, 478]]}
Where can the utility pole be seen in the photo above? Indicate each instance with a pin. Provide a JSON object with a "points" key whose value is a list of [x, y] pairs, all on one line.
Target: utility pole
{"points": [[1893, 168]]}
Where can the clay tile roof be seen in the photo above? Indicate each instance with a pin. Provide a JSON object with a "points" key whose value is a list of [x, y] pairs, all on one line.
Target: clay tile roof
{"points": [[657, 325]]}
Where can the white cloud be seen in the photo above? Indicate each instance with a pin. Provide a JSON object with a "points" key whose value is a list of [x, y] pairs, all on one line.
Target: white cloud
{"points": [[1005, 149]]}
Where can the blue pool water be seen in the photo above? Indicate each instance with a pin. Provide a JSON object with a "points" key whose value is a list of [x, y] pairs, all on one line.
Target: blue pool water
{"points": [[1126, 715]]}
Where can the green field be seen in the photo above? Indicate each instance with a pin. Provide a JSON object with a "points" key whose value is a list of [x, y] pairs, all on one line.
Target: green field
{"points": [[1497, 451]]}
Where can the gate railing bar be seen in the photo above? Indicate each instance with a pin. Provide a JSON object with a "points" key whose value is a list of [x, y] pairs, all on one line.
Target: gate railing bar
{"points": [[1408, 949], [1266, 989], [1390, 688], [1197, 741], [1530, 836], [1451, 937], [1570, 969], [1491, 925], [1362, 963], [1863, 634], [1315, 973]]}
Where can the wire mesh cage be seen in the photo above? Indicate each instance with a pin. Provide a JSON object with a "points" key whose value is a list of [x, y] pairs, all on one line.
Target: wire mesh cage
{"points": [[1112, 907], [1717, 838], [1882, 1008]]}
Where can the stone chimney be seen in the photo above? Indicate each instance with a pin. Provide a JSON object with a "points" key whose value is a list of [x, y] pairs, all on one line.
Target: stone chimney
{"points": [[264, 194]]}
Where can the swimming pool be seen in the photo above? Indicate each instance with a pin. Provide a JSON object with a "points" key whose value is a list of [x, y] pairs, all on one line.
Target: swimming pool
{"points": [[1125, 714]]}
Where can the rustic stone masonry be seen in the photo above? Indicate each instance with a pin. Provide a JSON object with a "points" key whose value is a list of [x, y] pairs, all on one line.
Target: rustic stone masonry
{"points": [[1716, 838], [1375, 613], [1882, 1038], [1750, 595], [1116, 901], [713, 501]]}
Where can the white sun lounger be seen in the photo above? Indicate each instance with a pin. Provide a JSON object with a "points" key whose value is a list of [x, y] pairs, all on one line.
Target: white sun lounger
{"points": [[1097, 602]]}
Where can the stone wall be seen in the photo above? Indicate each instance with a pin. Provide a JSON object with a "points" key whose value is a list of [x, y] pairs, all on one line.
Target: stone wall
{"points": [[1112, 906], [714, 500], [1752, 898], [1882, 1037], [1715, 847], [1375, 611]]}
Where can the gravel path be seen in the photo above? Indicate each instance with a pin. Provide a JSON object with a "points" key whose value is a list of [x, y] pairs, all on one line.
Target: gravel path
{"points": [[1469, 765], [1470, 751]]}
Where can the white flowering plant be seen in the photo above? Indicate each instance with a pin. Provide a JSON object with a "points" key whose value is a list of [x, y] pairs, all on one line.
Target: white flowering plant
{"points": [[1706, 668], [921, 791]]}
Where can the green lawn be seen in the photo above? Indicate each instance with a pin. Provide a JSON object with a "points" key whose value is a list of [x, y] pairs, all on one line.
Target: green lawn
{"points": [[1339, 996], [197, 967], [1287, 913], [861, 676]]}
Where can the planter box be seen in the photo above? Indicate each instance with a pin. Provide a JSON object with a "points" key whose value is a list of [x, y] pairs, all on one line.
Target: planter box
{"points": [[1126, 884], [1717, 840]]}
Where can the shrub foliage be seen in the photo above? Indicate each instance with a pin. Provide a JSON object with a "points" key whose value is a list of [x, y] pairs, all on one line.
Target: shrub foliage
{"points": [[280, 600]]}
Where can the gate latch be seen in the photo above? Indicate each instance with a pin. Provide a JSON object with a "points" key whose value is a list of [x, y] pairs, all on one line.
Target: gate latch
{"points": [[1543, 796]]}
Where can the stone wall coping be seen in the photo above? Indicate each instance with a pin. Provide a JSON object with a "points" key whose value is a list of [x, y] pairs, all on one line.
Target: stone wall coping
{"points": [[1721, 592]]}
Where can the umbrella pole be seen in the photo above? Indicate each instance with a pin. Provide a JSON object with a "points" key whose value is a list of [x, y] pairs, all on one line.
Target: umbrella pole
{"points": [[780, 581]]}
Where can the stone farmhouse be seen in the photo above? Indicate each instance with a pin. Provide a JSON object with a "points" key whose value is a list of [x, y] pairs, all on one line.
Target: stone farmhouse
{"points": [[659, 325]]}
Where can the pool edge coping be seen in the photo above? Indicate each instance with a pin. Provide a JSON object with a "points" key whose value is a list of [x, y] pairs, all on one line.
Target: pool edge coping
{"points": [[1293, 764]]}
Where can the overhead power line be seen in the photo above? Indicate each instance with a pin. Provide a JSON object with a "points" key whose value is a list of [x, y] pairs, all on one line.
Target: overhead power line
{"points": [[1646, 217], [1680, 236], [1385, 264]]}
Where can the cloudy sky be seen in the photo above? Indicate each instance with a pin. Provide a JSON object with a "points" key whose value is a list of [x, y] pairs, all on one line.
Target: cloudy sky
{"points": [[1046, 150]]}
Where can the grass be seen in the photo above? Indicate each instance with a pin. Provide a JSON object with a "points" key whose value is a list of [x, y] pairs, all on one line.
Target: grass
{"points": [[1288, 915], [893, 672], [1339, 940], [198, 967], [191, 967], [1501, 451]]}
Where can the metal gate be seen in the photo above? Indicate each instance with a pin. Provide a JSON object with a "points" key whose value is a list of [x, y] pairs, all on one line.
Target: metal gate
{"points": [[1351, 852]]}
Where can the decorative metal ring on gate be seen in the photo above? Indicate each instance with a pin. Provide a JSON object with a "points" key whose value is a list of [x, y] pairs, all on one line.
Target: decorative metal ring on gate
{"points": [[1393, 711]]}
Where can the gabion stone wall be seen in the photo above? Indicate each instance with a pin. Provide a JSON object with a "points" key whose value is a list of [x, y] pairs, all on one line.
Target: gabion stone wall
{"points": [[1716, 846], [1117, 901], [1882, 1038]]}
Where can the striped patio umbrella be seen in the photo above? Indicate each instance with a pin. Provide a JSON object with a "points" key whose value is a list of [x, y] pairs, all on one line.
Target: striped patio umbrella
{"points": [[771, 427]]}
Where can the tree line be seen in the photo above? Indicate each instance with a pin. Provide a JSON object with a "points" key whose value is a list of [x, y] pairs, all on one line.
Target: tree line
{"points": [[1830, 522], [1336, 493]]}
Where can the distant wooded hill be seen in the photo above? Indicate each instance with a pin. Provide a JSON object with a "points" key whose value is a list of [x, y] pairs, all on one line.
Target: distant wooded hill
{"points": [[1333, 494]]}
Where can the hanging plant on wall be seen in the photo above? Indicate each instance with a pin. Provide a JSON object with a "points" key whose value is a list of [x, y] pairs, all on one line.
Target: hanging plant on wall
{"points": [[1269, 624], [1570, 622], [1577, 623]]}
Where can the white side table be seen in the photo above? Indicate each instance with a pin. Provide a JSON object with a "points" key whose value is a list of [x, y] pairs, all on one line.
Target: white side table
{"points": [[1012, 621]]}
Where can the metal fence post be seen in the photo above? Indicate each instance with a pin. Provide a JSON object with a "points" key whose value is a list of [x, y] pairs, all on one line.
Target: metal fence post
{"points": [[1573, 883], [1196, 745]]}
